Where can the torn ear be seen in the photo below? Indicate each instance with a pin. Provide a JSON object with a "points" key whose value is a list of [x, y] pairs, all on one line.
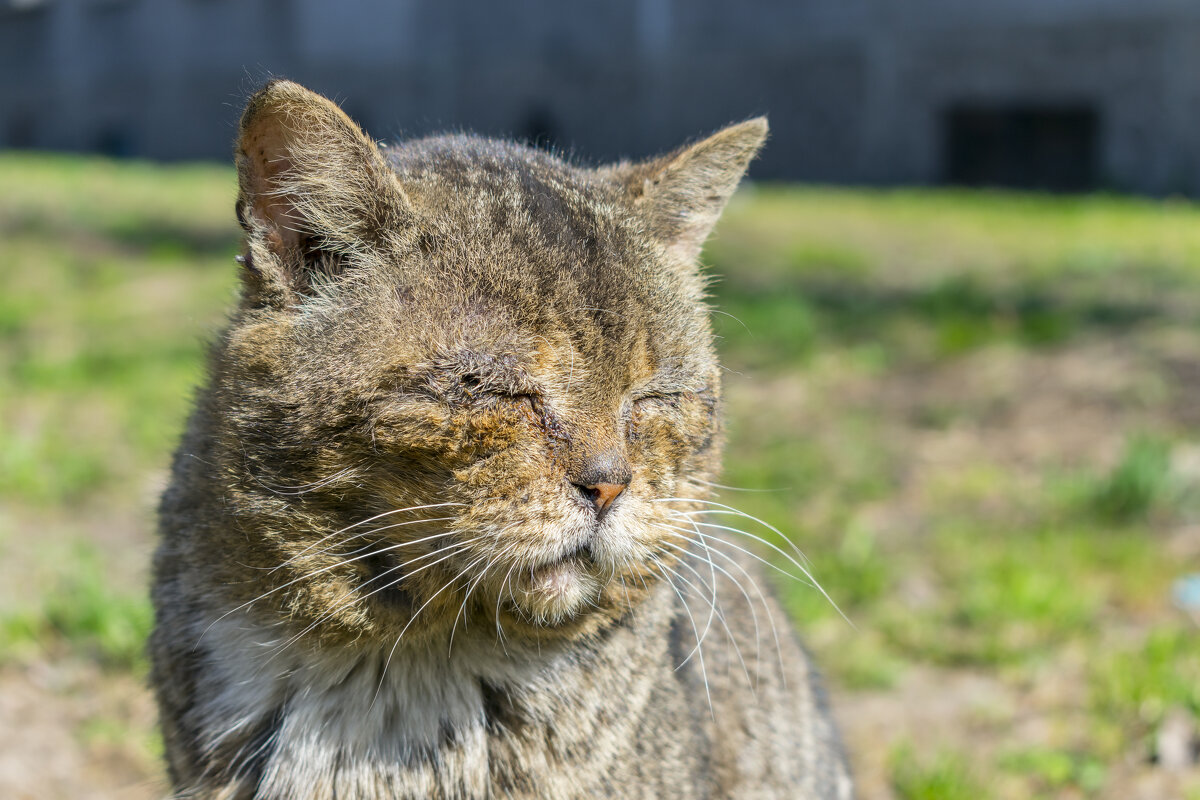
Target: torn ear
{"points": [[683, 193], [311, 185]]}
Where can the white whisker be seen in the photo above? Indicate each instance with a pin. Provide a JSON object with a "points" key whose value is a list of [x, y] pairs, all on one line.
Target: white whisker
{"points": [[811, 580], [372, 519], [404, 630], [447, 552], [315, 573], [762, 598], [688, 611], [720, 616]]}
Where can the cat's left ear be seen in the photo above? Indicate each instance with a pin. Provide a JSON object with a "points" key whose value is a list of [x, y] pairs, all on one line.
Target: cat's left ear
{"points": [[683, 193]]}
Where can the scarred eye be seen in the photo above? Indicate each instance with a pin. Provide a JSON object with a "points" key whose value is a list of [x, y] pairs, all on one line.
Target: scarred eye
{"points": [[481, 389], [520, 401], [528, 400]]}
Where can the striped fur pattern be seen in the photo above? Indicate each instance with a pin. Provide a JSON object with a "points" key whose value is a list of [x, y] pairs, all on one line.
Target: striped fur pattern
{"points": [[383, 569]]}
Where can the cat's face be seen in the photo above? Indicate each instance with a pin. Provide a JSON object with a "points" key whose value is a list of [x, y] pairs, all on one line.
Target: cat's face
{"points": [[483, 378], [556, 418]]}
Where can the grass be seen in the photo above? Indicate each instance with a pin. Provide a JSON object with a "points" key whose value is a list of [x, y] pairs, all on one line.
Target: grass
{"points": [[945, 776], [81, 608], [971, 410], [1057, 771], [1138, 684], [966, 400], [926, 275], [1136, 483], [113, 275]]}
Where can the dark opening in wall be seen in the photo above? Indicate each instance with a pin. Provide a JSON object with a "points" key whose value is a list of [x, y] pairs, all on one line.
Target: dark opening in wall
{"points": [[539, 129], [1022, 146], [20, 131], [114, 141]]}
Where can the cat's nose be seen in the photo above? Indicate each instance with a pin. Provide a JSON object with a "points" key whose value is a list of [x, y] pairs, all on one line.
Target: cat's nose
{"points": [[602, 479], [602, 495]]}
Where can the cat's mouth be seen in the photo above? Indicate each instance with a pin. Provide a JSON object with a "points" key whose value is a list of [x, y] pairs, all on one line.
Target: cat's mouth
{"points": [[558, 576], [580, 556], [581, 553]]}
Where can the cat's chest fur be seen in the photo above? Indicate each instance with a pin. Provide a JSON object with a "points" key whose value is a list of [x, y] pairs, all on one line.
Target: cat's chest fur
{"points": [[469, 721], [357, 722]]}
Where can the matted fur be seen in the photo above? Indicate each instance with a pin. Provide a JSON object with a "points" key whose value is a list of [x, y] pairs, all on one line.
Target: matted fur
{"points": [[382, 573]]}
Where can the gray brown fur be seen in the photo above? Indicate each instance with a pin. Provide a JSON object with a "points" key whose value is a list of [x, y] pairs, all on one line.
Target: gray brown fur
{"points": [[470, 329]]}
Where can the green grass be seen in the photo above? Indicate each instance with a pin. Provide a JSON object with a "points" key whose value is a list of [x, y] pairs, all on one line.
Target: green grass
{"points": [[945, 776], [1137, 684], [113, 275], [1057, 771], [971, 411], [1136, 483], [925, 275], [854, 308], [83, 610]]}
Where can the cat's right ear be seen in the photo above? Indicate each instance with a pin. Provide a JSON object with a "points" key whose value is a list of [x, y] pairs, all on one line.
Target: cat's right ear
{"points": [[312, 188]]}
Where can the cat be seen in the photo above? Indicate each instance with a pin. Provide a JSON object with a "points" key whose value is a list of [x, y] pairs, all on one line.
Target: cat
{"points": [[438, 526]]}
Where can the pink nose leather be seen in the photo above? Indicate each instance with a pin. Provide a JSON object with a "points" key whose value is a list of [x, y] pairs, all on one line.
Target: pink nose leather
{"points": [[603, 494]]}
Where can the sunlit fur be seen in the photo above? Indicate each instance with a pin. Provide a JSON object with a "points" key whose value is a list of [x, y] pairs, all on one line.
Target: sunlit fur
{"points": [[374, 525]]}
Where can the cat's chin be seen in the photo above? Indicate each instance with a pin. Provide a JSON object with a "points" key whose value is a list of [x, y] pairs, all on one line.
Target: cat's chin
{"points": [[555, 593]]}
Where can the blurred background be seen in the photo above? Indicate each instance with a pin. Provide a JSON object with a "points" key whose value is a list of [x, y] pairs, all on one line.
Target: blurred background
{"points": [[961, 302], [1060, 94]]}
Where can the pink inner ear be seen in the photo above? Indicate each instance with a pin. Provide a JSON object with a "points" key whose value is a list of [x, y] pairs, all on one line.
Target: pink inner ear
{"points": [[265, 150]]}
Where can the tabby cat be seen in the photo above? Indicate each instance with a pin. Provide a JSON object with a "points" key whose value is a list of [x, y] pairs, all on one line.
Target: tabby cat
{"points": [[439, 527]]}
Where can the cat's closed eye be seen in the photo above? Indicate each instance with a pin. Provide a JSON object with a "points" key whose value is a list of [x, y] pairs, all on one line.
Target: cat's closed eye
{"points": [[657, 406], [667, 399], [522, 401], [658, 399]]}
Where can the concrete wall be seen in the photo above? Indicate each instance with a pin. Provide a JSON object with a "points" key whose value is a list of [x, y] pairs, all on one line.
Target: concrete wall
{"points": [[856, 89]]}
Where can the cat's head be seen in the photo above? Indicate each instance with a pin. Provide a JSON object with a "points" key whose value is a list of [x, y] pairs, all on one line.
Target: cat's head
{"points": [[467, 378]]}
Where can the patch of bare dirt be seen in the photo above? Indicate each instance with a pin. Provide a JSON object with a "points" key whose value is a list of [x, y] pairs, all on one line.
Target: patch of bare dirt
{"points": [[981, 716], [69, 732]]}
